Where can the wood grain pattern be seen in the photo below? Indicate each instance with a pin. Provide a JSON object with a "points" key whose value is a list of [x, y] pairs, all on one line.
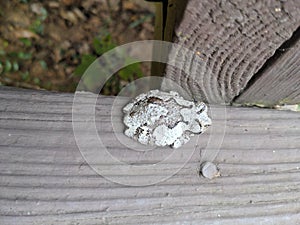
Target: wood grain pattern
{"points": [[233, 39], [45, 180], [278, 83]]}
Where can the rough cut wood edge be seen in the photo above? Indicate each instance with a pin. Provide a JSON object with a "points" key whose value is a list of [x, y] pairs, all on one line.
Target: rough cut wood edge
{"points": [[278, 83], [233, 39], [45, 180]]}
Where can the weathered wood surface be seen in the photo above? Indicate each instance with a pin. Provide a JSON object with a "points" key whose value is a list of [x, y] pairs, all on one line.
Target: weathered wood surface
{"points": [[45, 180], [234, 39], [278, 83]]}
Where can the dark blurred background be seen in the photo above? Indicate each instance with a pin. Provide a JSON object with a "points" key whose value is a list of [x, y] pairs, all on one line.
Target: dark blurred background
{"points": [[49, 44]]}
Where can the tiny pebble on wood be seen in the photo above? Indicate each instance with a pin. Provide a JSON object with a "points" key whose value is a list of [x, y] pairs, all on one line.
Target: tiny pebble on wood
{"points": [[209, 170]]}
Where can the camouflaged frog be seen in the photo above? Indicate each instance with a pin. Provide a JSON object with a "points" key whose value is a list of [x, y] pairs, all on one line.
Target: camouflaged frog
{"points": [[164, 118]]}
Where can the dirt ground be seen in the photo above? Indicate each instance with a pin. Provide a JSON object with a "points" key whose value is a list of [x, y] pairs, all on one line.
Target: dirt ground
{"points": [[43, 42]]}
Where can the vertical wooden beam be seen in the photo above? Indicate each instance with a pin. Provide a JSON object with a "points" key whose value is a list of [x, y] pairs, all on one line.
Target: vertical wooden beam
{"points": [[158, 28], [168, 13], [175, 10], [156, 67], [233, 40]]}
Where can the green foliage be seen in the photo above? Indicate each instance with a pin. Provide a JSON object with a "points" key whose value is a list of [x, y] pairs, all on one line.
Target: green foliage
{"points": [[11, 62], [37, 27], [26, 41], [23, 55], [16, 62], [48, 85], [5, 43], [43, 64], [130, 72], [8, 66], [141, 20], [15, 66], [43, 14], [25, 76], [36, 80], [86, 61], [102, 44]]}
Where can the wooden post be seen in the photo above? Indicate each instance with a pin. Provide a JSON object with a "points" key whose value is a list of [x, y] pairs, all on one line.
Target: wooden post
{"points": [[168, 13], [234, 40]]}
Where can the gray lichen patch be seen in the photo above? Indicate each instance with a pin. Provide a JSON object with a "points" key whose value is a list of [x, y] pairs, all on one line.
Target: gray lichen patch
{"points": [[164, 118]]}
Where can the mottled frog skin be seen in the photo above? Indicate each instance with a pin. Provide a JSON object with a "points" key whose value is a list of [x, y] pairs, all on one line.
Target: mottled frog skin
{"points": [[164, 119]]}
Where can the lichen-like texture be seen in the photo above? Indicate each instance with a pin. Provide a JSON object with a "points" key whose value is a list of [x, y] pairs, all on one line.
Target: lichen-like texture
{"points": [[164, 118]]}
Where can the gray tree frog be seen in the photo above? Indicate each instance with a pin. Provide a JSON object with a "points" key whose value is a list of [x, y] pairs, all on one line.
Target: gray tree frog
{"points": [[164, 119]]}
